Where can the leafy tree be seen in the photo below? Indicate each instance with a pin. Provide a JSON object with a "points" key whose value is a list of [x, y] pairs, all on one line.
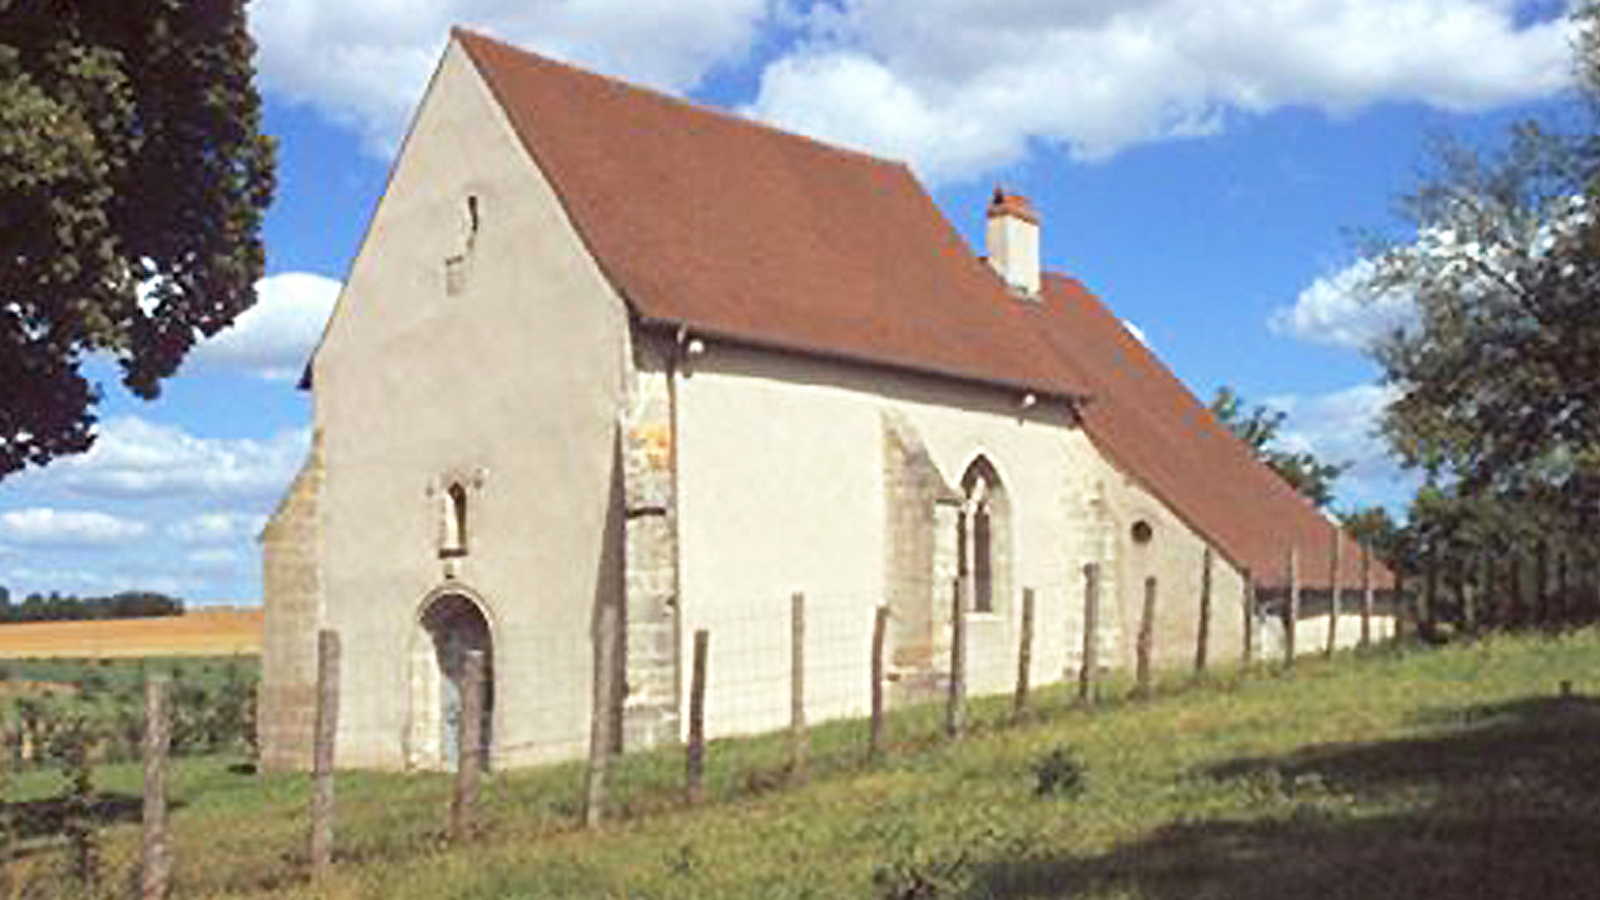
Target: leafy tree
{"points": [[1373, 527], [133, 181], [1498, 380], [1258, 427], [126, 605]]}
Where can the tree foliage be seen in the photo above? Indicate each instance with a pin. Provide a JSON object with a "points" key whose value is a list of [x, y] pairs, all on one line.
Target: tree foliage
{"points": [[1498, 379], [56, 607], [1258, 427], [1373, 527], [133, 181]]}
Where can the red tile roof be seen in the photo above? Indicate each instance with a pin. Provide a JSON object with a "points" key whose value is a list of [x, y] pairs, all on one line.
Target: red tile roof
{"points": [[737, 230], [1142, 417], [743, 231]]}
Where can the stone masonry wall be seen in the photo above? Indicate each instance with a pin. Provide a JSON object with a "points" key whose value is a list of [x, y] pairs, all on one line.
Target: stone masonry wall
{"points": [[650, 706], [913, 488], [292, 584]]}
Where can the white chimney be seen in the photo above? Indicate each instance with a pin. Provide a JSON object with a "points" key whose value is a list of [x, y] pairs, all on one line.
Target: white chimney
{"points": [[1013, 242]]}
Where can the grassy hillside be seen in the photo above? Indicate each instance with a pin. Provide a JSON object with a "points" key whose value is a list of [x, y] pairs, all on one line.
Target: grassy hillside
{"points": [[1456, 773]]}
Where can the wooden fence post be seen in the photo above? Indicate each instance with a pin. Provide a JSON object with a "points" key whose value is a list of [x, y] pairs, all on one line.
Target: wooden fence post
{"points": [[1486, 609], [696, 756], [602, 715], [1563, 612], [1404, 615], [799, 737], [1291, 614], [1024, 654], [1366, 596], [955, 717], [1202, 639], [1429, 614], [1088, 671], [1248, 590], [1541, 585], [880, 626], [1147, 637], [1514, 580], [156, 867], [1594, 600], [1335, 590], [469, 750], [327, 726]]}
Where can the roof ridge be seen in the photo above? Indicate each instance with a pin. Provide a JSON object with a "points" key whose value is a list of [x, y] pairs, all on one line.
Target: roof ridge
{"points": [[688, 105]]}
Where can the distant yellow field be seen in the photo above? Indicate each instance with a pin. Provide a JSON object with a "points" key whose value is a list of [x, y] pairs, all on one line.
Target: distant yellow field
{"points": [[201, 633]]}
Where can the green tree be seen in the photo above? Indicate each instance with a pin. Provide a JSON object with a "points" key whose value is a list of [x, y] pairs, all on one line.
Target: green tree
{"points": [[1373, 527], [1258, 427], [1498, 379], [133, 181]]}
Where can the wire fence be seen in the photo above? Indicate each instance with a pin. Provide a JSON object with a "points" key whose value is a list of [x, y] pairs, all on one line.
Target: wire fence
{"points": [[144, 783]]}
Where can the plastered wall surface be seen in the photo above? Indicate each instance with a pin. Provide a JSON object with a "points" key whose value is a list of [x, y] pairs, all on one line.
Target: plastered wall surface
{"points": [[783, 487], [487, 351]]}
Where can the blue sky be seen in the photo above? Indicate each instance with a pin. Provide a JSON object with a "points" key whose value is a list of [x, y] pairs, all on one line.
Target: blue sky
{"points": [[1198, 163]]}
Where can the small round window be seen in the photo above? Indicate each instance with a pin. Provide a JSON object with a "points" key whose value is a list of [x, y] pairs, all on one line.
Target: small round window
{"points": [[1142, 532]]}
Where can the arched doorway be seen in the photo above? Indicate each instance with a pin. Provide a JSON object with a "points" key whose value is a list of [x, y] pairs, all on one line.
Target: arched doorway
{"points": [[450, 625]]}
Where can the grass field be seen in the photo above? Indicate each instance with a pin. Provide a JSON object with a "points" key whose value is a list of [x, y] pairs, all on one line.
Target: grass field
{"points": [[1451, 773], [199, 633]]}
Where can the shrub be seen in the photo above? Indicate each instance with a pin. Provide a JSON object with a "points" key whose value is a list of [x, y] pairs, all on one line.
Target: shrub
{"points": [[1058, 773]]}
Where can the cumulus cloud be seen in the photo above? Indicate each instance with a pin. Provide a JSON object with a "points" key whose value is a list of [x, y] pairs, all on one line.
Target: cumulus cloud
{"points": [[1341, 426], [366, 64], [958, 87], [136, 458], [274, 338], [1342, 311], [43, 526]]}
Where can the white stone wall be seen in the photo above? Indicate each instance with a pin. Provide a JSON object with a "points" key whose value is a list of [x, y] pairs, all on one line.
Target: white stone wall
{"points": [[1311, 635], [495, 358], [782, 488], [291, 548]]}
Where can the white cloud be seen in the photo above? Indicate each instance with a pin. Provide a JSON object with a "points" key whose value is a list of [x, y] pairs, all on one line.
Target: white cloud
{"points": [[1342, 427], [135, 458], [365, 64], [216, 560], [954, 86], [274, 338], [957, 87], [23, 580], [42, 526], [1341, 311], [216, 528]]}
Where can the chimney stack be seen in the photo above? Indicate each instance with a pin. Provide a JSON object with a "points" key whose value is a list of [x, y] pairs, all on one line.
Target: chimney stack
{"points": [[1013, 242]]}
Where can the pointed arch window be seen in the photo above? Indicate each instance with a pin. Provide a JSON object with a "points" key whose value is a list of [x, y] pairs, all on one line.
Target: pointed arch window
{"points": [[983, 534]]}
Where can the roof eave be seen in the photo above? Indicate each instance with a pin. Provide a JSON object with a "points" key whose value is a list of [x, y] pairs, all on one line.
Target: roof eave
{"points": [[673, 326]]}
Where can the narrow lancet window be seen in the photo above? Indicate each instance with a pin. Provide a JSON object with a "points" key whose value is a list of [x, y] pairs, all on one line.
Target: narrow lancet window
{"points": [[454, 535]]}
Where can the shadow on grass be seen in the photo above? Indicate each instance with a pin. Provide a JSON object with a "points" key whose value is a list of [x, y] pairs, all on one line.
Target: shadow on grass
{"points": [[52, 817], [1503, 802]]}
